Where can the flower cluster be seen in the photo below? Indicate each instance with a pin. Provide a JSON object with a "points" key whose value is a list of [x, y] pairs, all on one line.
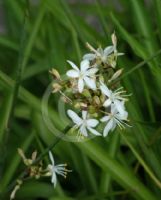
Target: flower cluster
{"points": [[93, 91], [37, 170]]}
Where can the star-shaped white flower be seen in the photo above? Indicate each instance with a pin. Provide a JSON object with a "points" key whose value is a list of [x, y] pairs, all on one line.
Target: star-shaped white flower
{"points": [[108, 55], [84, 124], [99, 54], [56, 169], [113, 97], [85, 75], [114, 118]]}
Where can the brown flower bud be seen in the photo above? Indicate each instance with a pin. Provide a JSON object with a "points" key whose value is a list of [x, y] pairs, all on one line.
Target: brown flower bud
{"points": [[116, 75], [80, 105], [56, 87], [102, 98], [96, 100], [55, 74]]}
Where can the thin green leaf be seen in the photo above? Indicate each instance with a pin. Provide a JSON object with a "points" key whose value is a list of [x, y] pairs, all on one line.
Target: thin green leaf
{"points": [[125, 177]]}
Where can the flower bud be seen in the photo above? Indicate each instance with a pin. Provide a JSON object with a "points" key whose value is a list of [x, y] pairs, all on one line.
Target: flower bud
{"points": [[101, 78], [114, 39], [96, 100], [116, 75], [56, 87], [86, 93], [112, 61], [102, 98], [16, 188], [91, 109], [55, 74], [91, 48], [81, 105]]}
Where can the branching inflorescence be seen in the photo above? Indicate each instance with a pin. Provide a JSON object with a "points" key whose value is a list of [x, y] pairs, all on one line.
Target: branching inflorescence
{"points": [[92, 90]]}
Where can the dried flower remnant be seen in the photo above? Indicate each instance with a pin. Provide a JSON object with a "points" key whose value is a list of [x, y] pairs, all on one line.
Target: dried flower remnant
{"points": [[95, 90], [16, 188], [34, 170], [55, 74]]}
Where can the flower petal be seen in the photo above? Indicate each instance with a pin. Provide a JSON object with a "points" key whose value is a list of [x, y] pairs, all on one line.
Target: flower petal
{"points": [[107, 103], [84, 65], [122, 115], [73, 65], [89, 56], [108, 50], [84, 114], [93, 131], [100, 51], [80, 85], [75, 118], [92, 122], [92, 71], [54, 179], [105, 90], [51, 158], [72, 73], [118, 109], [108, 127], [83, 131], [90, 83], [105, 118], [114, 110], [120, 54], [119, 106], [114, 125]]}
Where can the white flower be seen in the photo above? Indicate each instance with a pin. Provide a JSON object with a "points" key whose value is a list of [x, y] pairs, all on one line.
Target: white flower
{"points": [[108, 55], [85, 75], [114, 118], [84, 123], [56, 169], [99, 54], [113, 97]]}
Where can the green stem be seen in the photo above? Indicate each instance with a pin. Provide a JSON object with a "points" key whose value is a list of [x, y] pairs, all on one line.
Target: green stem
{"points": [[18, 75], [52, 145], [147, 97], [142, 64], [138, 66]]}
